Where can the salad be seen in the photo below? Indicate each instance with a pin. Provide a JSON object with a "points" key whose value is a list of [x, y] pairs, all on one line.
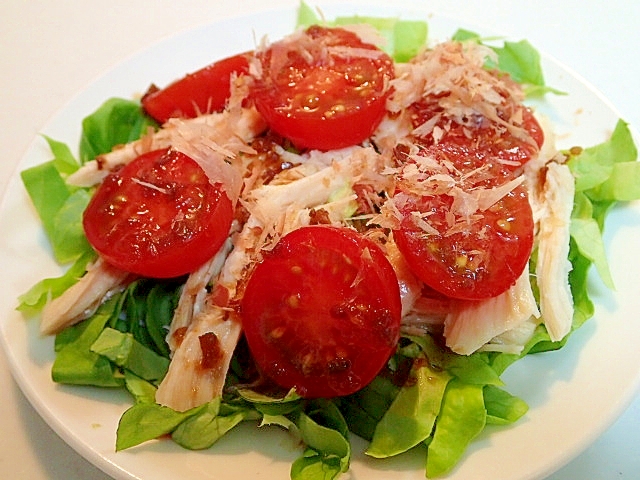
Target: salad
{"points": [[188, 336]]}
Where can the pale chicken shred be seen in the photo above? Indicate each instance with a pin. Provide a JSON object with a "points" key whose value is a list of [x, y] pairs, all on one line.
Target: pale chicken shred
{"points": [[83, 298], [553, 267], [473, 324]]}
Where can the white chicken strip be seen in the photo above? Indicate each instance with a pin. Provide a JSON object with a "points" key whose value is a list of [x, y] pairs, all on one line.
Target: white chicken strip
{"points": [[82, 299], [199, 366], [472, 324], [553, 265], [209, 139], [193, 380], [194, 292]]}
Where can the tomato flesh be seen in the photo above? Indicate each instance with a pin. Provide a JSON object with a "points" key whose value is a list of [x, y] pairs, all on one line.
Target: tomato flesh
{"points": [[159, 216], [201, 92], [490, 247], [481, 261], [476, 146], [321, 312], [334, 99]]}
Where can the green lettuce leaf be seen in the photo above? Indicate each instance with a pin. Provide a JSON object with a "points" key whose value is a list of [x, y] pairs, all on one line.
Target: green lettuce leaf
{"points": [[325, 433], [117, 121], [412, 415], [59, 208], [124, 351], [461, 419], [502, 407], [211, 423], [147, 421], [403, 38], [142, 390], [75, 362]]}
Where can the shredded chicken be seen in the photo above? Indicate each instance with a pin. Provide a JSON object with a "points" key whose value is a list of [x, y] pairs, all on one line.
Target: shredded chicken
{"points": [[278, 208], [197, 375], [194, 293], [553, 267], [82, 299], [473, 324]]}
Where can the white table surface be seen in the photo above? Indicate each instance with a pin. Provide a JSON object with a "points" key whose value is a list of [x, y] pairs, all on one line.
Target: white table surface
{"points": [[49, 50]]}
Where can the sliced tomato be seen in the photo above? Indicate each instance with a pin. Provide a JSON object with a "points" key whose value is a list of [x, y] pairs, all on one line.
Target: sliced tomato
{"points": [[480, 142], [201, 92], [321, 312], [159, 216], [480, 261], [323, 88]]}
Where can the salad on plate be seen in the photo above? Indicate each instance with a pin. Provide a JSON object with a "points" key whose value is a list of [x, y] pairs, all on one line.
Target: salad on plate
{"points": [[350, 230]]}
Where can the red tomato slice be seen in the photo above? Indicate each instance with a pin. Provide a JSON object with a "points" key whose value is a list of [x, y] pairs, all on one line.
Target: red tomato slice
{"points": [[479, 262], [321, 312], [471, 147], [159, 216], [324, 88], [201, 92]]}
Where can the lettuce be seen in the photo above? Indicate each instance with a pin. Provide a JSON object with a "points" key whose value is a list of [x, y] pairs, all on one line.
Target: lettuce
{"points": [[519, 59], [117, 121], [462, 417], [403, 38]]}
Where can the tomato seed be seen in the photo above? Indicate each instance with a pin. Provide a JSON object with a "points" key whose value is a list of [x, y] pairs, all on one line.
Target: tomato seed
{"points": [[504, 224], [293, 301]]}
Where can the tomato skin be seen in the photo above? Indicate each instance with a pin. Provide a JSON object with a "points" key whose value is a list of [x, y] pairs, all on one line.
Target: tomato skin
{"points": [[159, 216], [197, 93], [321, 312], [478, 263], [330, 102]]}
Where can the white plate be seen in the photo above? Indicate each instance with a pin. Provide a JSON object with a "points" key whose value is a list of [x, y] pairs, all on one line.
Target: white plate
{"points": [[574, 394]]}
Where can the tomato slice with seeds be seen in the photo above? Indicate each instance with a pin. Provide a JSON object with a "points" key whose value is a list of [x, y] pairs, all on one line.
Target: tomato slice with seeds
{"points": [[201, 92], [481, 260], [321, 312], [478, 145], [159, 216], [323, 88]]}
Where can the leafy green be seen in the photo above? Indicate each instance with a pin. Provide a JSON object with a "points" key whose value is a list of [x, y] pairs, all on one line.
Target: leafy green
{"points": [[76, 363], [502, 407], [117, 121], [593, 167], [403, 38], [605, 174], [124, 351], [141, 390], [147, 421], [58, 205], [271, 406], [325, 433], [211, 423], [366, 407], [461, 419], [148, 307], [410, 418], [34, 299]]}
